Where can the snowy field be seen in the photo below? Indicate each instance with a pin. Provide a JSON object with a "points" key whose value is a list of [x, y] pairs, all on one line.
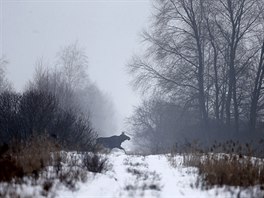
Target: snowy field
{"points": [[140, 176]]}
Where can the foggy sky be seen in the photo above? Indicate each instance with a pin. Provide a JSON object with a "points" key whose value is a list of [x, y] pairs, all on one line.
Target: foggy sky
{"points": [[108, 30]]}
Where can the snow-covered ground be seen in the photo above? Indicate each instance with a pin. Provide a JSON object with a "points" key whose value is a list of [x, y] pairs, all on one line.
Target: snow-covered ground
{"points": [[140, 176], [147, 176]]}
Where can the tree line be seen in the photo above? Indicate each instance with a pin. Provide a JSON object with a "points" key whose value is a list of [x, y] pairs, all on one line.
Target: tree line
{"points": [[60, 101], [206, 58]]}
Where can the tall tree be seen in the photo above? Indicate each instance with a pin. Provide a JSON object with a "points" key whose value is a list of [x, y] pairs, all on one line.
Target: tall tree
{"points": [[206, 55], [257, 93], [235, 20], [175, 59]]}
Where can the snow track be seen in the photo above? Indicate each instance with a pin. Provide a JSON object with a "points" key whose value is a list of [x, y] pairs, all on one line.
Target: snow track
{"points": [[145, 176]]}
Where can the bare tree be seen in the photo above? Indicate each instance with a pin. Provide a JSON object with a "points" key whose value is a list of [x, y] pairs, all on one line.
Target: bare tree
{"points": [[73, 62], [208, 57], [69, 83], [175, 59], [257, 93], [158, 124], [4, 83], [235, 19]]}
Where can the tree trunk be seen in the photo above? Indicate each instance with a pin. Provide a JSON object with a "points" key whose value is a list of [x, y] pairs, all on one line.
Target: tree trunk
{"points": [[216, 84], [256, 92]]}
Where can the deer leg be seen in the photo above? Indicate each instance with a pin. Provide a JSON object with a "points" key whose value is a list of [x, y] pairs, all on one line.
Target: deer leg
{"points": [[120, 147]]}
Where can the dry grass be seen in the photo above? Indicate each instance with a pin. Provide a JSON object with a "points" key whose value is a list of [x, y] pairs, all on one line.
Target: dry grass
{"points": [[26, 158], [231, 170], [39, 162], [234, 166], [35, 154]]}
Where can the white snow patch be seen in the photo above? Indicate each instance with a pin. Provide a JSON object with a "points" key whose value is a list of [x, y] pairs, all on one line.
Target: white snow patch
{"points": [[139, 176]]}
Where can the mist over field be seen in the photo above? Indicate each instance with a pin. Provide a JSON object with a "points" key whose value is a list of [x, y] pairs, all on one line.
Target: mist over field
{"points": [[41, 29]]}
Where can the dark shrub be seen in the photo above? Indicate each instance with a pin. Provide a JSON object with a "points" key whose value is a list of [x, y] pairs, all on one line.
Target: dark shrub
{"points": [[9, 116], [36, 113], [94, 162], [3, 149], [9, 169]]}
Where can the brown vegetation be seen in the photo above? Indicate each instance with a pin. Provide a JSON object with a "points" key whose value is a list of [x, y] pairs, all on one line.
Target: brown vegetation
{"points": [[35, 154], [232, 170], [230, 163], [41, 160]]}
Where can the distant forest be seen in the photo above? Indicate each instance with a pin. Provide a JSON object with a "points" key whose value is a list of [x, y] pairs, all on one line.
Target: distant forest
{"points": [[59, 102]]}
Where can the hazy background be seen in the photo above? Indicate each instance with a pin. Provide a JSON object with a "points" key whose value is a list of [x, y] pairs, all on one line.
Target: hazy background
{"points": [[108, 30]]}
